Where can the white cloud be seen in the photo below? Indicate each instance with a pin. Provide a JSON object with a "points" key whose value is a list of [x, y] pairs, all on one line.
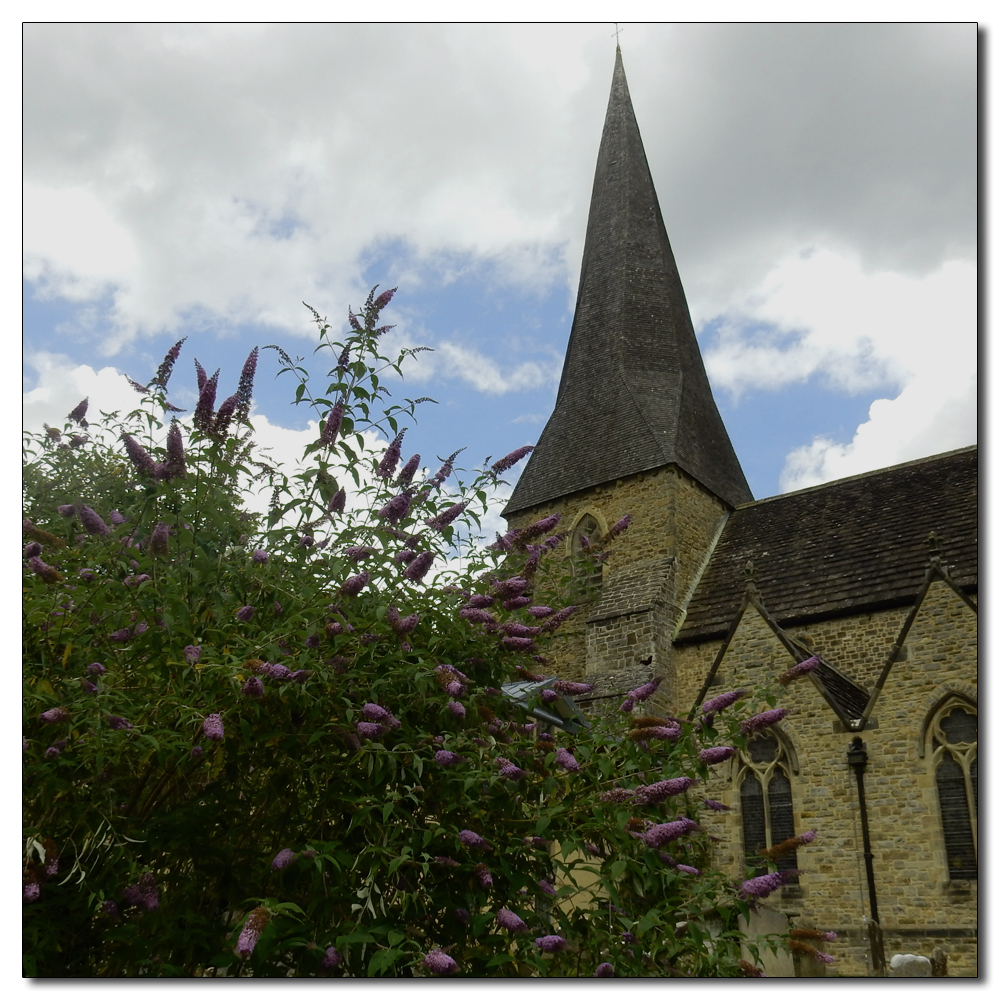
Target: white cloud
{"points": [[820, 314], [228, 171]]}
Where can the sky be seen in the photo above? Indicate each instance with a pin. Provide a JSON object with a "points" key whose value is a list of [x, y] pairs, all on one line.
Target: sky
{"points": [[818, 183]]}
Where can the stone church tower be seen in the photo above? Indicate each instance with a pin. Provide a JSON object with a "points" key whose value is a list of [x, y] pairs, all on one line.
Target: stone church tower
{"points": [[875, 576], [635, 429]]}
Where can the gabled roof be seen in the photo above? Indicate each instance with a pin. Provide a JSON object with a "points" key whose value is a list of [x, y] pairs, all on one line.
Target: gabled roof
{"points": [[852, 545], [634, 394]]}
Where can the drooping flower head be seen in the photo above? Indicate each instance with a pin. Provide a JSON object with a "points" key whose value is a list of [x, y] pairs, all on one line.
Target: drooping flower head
{"points": [[439, 963], [254, 687], [799, 670], [551, 943], [559, 617], [355, 584], [661, 790], [192, 654], [722, 701], [387, 467], [92, 521], [331, 959], [789, 845], [117, 722], [716, 806], [159, 540], [48, 573], [716, 755], [369, 730], [417, 568], [762, 721], [510, 921], [572, 687], [546, 887], [509, 461], [470, 839], [252, 930], [567, 761], [167, 365], [762, 885], [483, 875], [65, 510], [442, 520], [212, 727], [457, 709], [59, 714], [604, 971], [618, 527], [664, 833], [397, 508], [644, 691], [447, 758], [283, 858]]}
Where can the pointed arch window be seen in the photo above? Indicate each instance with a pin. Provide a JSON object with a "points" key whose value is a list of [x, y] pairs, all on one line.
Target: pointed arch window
{"points": [[585, 569], [766, 802], [954, 735]]}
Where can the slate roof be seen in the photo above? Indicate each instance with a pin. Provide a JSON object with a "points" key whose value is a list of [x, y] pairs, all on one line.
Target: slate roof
{"points": [[634, 394], [848, 546]]}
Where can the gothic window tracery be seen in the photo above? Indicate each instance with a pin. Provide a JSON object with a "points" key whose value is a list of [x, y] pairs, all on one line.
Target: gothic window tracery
{"points": [[766, 801], [954, 737]]}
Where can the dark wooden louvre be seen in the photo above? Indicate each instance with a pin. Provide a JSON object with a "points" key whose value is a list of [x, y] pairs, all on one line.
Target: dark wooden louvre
{"points": [[974, 775], [955, 819], [754, 829], [779, 799], [588, 529]]}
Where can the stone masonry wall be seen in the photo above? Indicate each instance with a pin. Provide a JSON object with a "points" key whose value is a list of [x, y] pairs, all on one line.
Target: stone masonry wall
{"points": [[674, 524], [919, 907]]}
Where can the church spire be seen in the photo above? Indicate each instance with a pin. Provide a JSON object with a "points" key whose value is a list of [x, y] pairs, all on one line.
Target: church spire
{"points": [[634, 395]]}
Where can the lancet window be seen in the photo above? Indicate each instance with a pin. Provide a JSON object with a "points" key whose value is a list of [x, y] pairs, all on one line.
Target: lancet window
{"points": [[766, 802], [954, 736]]}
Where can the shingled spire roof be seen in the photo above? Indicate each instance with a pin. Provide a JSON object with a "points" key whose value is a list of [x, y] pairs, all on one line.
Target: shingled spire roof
{"points": [[633, 395]]}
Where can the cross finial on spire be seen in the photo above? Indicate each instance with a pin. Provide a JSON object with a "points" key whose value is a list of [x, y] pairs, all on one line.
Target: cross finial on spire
{"points": [[618, 31]]}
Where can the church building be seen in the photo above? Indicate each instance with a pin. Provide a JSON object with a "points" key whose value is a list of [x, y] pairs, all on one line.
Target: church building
{"points": [[875, 575]]}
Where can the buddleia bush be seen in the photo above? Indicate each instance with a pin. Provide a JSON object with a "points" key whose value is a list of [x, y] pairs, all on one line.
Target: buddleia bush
{"points": [[278, 744]]}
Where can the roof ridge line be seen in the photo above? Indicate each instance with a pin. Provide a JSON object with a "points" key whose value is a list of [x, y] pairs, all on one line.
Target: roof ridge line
{"points": [[859, 475]]}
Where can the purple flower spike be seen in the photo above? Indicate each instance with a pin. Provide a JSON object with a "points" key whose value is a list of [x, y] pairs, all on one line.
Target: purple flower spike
{"points": [[572, 687], [663, 833], [722, 701], [646, 690], [551, 942], [88, 686], [716, 755], [192, 654], [687, 869], [716, 806], [627, 705], [604, 971], [32, 549], [96, 668], [51, 753], [140, 457], [355, 584], [92, 521], [762, 885], [549, 696], [478, 616], [31, 891], [762, 721], [259, 556], [800, 669], [408, 471], [567, 761], [197, 753], [251, 932], [338, 502], [484, 875], [457, 709], [618, 527], [390, 460], [54, 715], [254, 687], [331, 959], [397, 508], [418, 566], [176, 466], [439, 963], [48, 573], [508, 461], [283, 859], [517, 643], [546, 887], [117, 722], [445, 518], [331, 427], [471, 839], [212, 727], [511, 922], [369, 730], [66, 510], [446, 758], [245, 613]]}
